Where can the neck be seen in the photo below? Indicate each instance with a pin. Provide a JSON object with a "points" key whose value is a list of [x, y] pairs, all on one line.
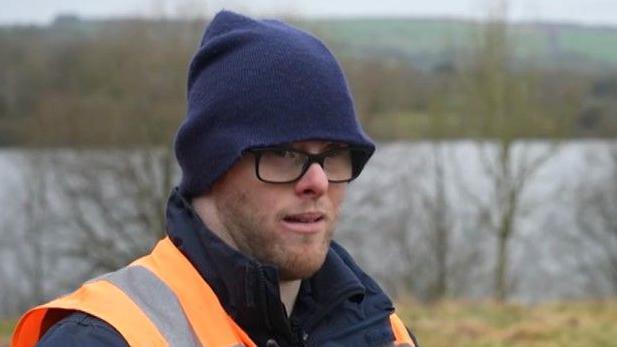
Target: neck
{"points": [[289, 293]]}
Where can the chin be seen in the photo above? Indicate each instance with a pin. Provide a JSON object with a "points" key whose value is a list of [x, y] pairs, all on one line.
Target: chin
{"points": [[302, 267]]}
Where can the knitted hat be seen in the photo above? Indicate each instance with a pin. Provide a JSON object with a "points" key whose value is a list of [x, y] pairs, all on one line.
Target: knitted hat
{"points": [[259, 83]]}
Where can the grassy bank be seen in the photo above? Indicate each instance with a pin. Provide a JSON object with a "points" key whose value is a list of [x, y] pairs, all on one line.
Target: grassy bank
{"points": [[488, 324], [6, 327]]}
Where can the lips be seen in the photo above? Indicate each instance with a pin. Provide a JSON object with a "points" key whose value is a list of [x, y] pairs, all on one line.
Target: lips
{"points": [[310, 217], [306, 223]]}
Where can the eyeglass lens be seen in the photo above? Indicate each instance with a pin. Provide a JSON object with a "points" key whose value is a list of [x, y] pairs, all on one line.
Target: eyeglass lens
{"points": [[286, 165]]}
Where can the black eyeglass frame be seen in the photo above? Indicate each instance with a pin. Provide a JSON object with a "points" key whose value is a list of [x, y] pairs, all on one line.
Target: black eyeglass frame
{"points": [[359, 157]]}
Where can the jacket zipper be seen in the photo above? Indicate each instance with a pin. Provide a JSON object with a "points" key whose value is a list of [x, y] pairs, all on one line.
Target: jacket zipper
{"points": [[299, 334]]}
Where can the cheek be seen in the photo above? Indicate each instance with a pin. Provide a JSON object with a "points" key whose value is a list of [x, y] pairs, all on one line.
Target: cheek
{"points": [[265, 203], [336, 193]]}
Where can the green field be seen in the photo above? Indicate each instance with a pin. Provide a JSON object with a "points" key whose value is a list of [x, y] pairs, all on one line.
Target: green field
{"points": [[427, 42], [488, 324], [6, 327]]}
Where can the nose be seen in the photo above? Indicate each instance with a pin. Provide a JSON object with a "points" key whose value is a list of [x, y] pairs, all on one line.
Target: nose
{"points": [[314, 182]]}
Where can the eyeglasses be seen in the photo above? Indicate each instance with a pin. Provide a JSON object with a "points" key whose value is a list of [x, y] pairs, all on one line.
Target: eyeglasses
{"points": [[285, 165]]}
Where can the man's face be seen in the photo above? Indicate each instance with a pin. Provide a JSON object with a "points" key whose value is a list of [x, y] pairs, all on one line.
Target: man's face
{"points": [[289, 225]]}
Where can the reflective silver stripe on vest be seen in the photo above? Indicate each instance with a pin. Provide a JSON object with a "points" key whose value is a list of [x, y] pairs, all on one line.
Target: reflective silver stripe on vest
{"points": [[157, 301]]}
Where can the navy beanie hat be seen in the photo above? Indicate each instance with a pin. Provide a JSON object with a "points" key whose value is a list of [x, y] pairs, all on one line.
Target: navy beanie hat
{"points": [[256, 83]]}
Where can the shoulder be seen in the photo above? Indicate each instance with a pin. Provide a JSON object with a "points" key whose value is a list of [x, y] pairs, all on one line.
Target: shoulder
{"points": [[82, 329], [376, 303]]}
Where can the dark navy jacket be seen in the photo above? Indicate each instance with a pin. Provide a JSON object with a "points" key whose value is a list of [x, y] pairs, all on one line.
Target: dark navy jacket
{"points": [[339, 306]]}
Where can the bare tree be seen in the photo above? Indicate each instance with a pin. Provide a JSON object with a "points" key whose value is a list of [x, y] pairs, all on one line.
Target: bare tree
{"points": [[9, 243], [403, 204], [106, 204], [378, 223], [440, 220], [436, 201], [596, 219], [501, 101], [27, 225], [113, 203]]}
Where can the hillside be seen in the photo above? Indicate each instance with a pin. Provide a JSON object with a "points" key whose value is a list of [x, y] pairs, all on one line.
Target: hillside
{"points": [[426, 42], [408, 77], [430, 41]]}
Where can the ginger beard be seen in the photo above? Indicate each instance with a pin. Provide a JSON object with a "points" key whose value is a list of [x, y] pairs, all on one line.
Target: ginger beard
{"points": [[257, 232]]}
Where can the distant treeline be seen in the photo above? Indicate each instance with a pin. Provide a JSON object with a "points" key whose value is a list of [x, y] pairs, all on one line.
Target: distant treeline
{"points": [[122, 82]]}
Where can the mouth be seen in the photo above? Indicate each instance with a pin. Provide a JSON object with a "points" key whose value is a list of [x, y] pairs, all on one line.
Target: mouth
{"points": [[308, 222]]}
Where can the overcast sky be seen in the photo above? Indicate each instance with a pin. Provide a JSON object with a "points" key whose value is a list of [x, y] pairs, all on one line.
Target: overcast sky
{"points": [[601, 12]]}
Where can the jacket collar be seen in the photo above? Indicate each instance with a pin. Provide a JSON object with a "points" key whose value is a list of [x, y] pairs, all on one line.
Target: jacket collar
{"points": [[249, 290]]}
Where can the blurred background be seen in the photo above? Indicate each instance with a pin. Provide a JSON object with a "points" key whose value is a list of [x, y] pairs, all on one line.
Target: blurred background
{"points": [[489, 210]]}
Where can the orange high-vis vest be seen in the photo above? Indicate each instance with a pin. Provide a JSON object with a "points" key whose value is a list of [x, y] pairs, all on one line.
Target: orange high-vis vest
{"points": [[158, 300]]}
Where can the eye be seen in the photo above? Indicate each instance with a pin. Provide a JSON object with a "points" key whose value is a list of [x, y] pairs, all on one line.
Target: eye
{"points": [[285, 153], [338, 152]]}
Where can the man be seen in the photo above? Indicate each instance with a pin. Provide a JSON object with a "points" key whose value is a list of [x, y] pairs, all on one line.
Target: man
{"points": [[266, 150]]}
